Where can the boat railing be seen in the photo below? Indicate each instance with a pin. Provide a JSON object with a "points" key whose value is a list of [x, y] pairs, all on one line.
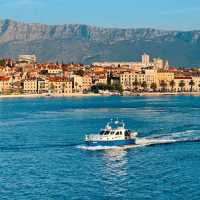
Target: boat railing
{"points": [[94, 137]]}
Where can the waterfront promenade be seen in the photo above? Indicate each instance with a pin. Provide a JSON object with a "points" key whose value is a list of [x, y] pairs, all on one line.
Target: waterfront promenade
{"points": [[150, 94], [47, 95]]}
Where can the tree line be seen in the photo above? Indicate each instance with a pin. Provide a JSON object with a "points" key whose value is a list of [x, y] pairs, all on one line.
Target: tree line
{"points": [[163, 86]]}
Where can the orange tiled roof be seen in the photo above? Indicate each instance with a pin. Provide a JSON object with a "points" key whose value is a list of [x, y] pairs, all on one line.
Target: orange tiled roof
{"points": [[57, 79], [4, 78], [30, 79], [186, 77]]}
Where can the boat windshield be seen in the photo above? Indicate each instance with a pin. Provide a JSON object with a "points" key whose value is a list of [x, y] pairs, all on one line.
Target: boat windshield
{"points": [[104, 133]]}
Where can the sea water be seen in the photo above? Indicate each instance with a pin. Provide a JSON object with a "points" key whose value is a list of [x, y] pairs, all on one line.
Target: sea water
{"points": [[43, 156]]}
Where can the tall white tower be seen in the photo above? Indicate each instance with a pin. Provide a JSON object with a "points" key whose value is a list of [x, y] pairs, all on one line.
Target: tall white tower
{"points": [[145, 59]]}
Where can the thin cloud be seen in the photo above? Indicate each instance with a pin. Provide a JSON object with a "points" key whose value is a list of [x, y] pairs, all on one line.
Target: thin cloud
{"points": [[21, 2], [180, 11]]}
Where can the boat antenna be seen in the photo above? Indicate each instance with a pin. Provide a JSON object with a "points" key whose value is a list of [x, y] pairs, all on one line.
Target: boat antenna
{"points": [[123, 125]]}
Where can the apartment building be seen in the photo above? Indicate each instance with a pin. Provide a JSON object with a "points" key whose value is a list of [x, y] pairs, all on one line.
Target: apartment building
{"points": [[30, 85], [59, 85], [86, 82], [4, 84]]}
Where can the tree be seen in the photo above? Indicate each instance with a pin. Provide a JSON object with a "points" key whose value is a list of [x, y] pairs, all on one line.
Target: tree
{"points": [[102, 86], [135, 85], [76, 86], [195, 69], [80, 72], [163, 85], [144, 85], [2, 62], [182, 85], [116, 87], [94, 89], [191, 83], [153, 86], [172, 84], [110, 87]]}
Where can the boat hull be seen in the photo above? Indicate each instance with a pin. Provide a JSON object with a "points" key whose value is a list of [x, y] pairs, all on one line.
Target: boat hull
{"points": [[110, 142]]}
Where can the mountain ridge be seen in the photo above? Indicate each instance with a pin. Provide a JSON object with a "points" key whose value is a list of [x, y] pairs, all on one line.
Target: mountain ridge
{"points": [[86, 43]]}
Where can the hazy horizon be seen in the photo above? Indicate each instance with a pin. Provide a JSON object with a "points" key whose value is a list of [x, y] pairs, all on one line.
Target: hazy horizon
{"points": [[165, 15]]}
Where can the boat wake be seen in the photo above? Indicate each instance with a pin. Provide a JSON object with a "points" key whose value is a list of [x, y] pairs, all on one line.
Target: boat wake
{"points": [[184, 136]]}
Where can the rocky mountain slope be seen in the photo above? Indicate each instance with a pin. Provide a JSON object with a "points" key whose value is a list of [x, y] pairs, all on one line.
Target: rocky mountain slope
{"points": [[82, 43]]}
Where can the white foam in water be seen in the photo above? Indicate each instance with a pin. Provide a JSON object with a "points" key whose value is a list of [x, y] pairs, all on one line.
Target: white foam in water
{"points": [[96, 148], [184, 136], [83, 147]]}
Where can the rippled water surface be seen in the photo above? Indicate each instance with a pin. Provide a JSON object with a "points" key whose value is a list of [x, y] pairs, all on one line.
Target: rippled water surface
{"points": [[40, 156]]}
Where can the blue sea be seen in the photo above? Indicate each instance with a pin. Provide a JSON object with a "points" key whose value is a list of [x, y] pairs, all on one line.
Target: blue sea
{"points": [[41, 154]]}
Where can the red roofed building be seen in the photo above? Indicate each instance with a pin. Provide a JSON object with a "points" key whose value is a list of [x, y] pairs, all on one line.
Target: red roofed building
{"points": [[102, 79], [4, 84], [87, 82], [59, 85], [30, 85], [54, 69]]}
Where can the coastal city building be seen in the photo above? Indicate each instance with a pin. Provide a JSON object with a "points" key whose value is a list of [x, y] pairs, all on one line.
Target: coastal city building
{"points": [[54, 69], [30, 85], [196, 83], [77, 83], [87, 82], [146, 62], [25, 76], [182, 84], [4, 84], [59, 85], [133, 80], [101, 79], [29, 59], [145, 59]]}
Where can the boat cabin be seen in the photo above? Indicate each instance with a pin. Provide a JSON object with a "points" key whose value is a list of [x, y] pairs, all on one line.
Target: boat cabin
{"points": [[123, 132], [114, 134]]}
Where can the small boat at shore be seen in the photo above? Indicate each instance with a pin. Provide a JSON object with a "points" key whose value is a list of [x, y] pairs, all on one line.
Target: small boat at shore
{"points": [[114, 134]]}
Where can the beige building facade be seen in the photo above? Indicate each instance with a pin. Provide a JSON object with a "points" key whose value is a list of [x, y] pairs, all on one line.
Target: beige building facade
{"points": [[4, 84], [30, 86], [59, 85], [87, 82]]}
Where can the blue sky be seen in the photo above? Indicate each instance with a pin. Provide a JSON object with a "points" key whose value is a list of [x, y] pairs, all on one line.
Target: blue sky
{"points": [[163, 14]]}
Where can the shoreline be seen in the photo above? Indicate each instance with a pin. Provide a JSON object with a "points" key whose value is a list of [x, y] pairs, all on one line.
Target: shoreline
{"points": [[170, 94], [145, 94], [46, 95]]}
